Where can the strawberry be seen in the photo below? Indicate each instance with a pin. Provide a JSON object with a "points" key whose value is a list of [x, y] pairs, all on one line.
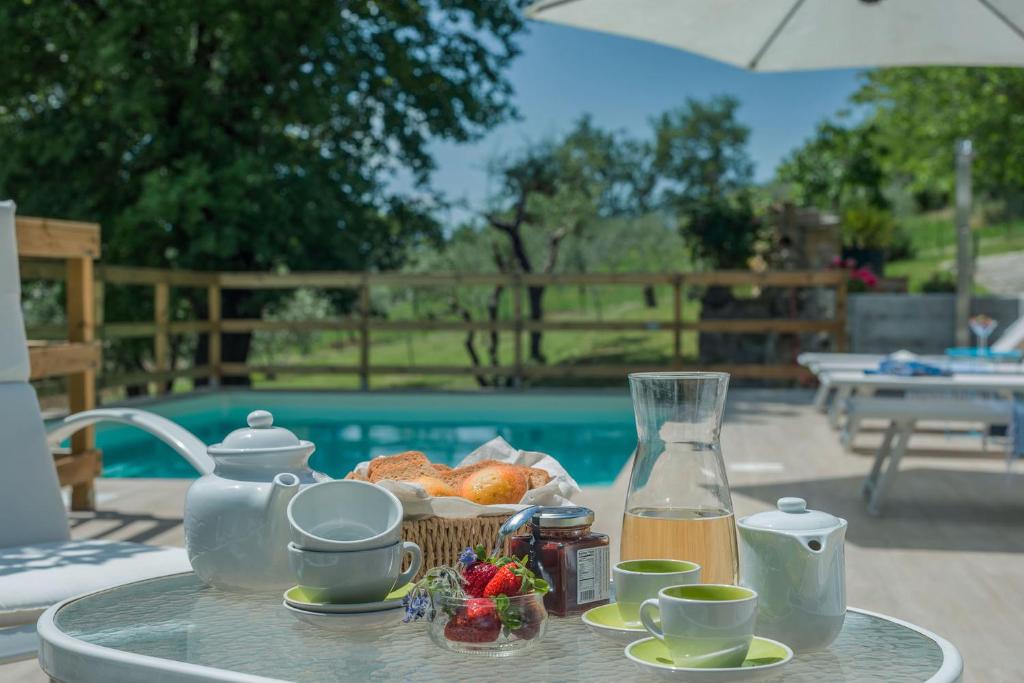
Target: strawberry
{"points": [[477, 576], [531, 616], [477, 622], [507, 581], [479, 608]]}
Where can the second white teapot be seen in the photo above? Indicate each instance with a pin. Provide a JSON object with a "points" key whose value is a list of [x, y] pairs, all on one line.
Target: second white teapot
{"points": [[793, 557]]}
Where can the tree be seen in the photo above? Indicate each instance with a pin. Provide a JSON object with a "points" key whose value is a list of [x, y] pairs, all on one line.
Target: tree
{"points": [[261, 136], [919, 114], [838, 166], [700, 156], [552, 190]]}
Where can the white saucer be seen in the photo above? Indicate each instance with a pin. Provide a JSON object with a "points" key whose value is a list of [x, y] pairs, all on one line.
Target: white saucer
{"points": [[763, 660], [354, 623], [295, 597]]}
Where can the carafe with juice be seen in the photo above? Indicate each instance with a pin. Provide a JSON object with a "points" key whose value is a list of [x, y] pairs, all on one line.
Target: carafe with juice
{"points": [[678, 504]]}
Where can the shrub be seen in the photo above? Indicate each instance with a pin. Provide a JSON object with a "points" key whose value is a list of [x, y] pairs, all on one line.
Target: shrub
{"points": [[940, 282], [867, 227]]}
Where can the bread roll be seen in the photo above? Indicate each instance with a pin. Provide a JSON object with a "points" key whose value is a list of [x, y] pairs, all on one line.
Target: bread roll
{"points": [[434, 486], [495, 484]]}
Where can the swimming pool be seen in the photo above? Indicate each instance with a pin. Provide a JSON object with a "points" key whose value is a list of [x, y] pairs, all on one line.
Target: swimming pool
{"points": [[591, 433]]}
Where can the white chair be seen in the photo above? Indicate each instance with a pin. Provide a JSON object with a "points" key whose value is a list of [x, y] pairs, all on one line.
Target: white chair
{"points": [[1012, 338], [39, 562], [903, 414]]}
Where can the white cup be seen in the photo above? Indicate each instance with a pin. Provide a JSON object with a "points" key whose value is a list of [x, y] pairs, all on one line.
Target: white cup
{"points": [[639, 580], [354, 576], [344, 514], [703, 625]]}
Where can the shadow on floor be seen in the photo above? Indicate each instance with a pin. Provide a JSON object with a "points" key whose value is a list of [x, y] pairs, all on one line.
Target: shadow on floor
{"points": [[926, 509], [150, 526]]}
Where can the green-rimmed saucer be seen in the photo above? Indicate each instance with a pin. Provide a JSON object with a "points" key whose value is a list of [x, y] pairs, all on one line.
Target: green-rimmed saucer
{"points": [[763, 659], [297, 597], [606, 622]]}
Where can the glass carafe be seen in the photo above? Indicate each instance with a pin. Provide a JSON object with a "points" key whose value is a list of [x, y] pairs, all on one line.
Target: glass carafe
{"points": [[678, 505]]}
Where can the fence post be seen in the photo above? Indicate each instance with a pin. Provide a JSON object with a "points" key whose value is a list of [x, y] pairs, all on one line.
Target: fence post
{"points": [[517, 329], [364, 333], [677, 322], [82, 385], [840, 329], [161, 341], [213, 308]]}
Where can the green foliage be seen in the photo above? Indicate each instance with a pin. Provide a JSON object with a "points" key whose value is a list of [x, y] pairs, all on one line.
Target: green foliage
{"points": [[214, 135], [919, 113], [302, 304], [940, 282], [838, 166], [700, 156], [867, 227]]}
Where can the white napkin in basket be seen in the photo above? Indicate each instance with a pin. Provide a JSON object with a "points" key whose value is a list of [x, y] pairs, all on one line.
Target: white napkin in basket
{"points": [[418, 504]]}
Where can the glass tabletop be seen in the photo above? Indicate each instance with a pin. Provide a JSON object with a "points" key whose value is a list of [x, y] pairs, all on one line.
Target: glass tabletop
{"points": [[179, 619]]}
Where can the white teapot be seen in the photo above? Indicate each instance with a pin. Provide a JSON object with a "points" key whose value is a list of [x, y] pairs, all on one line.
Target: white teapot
{"points": [[793, 557], [236, 524]]}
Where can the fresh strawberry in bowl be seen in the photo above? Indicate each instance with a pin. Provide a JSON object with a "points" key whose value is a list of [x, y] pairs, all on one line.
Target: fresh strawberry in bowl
{"points": [[493, 606]]}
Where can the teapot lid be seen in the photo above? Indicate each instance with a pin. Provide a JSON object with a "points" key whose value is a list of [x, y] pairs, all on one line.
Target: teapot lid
{"points": [[260, 435], [792, 515]]}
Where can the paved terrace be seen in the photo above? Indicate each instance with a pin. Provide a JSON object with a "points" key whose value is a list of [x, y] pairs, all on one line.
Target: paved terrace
{"points": [[948, 554]]}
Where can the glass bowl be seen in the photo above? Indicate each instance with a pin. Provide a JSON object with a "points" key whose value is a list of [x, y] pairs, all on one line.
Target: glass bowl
{"points": [[493, 627]]}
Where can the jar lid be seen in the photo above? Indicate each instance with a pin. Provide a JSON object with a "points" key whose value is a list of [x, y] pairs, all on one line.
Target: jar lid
{"points": [[792, 515], [260, 435], [562, 517]]}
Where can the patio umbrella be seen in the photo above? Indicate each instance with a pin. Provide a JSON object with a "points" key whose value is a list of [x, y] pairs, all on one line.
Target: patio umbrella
{"points": [[785, 35]]}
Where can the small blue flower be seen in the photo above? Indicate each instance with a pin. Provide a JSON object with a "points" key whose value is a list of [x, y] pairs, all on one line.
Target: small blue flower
{"points": [[416, 605], [467, 557]]}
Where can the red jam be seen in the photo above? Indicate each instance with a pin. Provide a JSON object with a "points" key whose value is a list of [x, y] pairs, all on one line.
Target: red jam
{"points": [[562, 550]]}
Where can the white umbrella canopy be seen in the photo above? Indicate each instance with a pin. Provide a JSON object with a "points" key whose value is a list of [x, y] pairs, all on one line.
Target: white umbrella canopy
{"points": [[786, 35]]}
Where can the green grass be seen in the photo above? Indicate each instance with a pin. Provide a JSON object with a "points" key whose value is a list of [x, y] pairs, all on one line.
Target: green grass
{"points": [[565, 303], [934, 238]]}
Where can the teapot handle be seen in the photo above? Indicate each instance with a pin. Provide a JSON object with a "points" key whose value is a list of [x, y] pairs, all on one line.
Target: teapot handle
{"points": [[648, 620]]}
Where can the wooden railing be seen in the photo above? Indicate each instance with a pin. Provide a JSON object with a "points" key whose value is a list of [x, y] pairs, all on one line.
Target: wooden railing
{"points": [[78, 358], [364, 324]]}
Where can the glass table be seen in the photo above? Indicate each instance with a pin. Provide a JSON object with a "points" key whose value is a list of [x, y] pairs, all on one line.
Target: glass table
{"points": [[176, 629]]}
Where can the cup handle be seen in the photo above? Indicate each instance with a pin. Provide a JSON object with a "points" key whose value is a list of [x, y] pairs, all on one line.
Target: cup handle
{"points": [[414, 566], [648, 621]]}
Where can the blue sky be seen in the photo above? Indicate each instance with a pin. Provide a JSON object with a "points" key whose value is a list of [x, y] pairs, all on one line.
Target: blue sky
{"points": [[563, 73]]}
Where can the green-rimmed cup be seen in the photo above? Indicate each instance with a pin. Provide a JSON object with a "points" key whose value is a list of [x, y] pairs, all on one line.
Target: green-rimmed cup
{"points": [[639, 580], [703, 625]]}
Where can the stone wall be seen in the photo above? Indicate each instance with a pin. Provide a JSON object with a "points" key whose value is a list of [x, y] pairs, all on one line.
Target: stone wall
{"points": [[922, 323]]}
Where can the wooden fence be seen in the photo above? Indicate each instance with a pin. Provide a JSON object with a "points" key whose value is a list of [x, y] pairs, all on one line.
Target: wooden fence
{"points": [[364, 323], [78, 356]]}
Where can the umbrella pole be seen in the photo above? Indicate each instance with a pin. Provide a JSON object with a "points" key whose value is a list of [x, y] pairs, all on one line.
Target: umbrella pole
{"points": [[964, 259]]}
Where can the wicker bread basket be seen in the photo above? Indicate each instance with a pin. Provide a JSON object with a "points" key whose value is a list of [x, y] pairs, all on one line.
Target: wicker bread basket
{"points": [[441, 540]]}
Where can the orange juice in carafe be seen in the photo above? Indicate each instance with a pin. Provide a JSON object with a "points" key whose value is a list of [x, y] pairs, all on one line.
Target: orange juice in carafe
{"points": [[678, 504]]}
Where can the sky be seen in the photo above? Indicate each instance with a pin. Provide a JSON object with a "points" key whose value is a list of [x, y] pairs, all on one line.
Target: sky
{"points": [[564, 73]]}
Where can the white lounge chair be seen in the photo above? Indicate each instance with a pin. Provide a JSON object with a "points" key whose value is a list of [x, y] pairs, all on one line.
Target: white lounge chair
{"points": [[903, 414], [39, 562]]}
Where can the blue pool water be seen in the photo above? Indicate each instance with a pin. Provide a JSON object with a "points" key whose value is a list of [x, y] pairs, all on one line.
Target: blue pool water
{"points": [[592, 434]]}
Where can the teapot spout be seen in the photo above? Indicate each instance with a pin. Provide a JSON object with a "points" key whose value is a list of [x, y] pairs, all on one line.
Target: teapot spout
{"points": [[283, 489]]}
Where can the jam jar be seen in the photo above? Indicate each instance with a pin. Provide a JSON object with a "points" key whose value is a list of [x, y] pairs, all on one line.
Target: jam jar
{"points": [[562, 550]]}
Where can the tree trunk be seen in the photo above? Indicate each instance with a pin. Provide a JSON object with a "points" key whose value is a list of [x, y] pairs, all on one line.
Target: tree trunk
{"points": [[650, 300], [236, 303]]}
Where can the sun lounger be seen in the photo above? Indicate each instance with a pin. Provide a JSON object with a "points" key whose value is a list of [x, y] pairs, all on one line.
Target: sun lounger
{"points": [[903, 415]]}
